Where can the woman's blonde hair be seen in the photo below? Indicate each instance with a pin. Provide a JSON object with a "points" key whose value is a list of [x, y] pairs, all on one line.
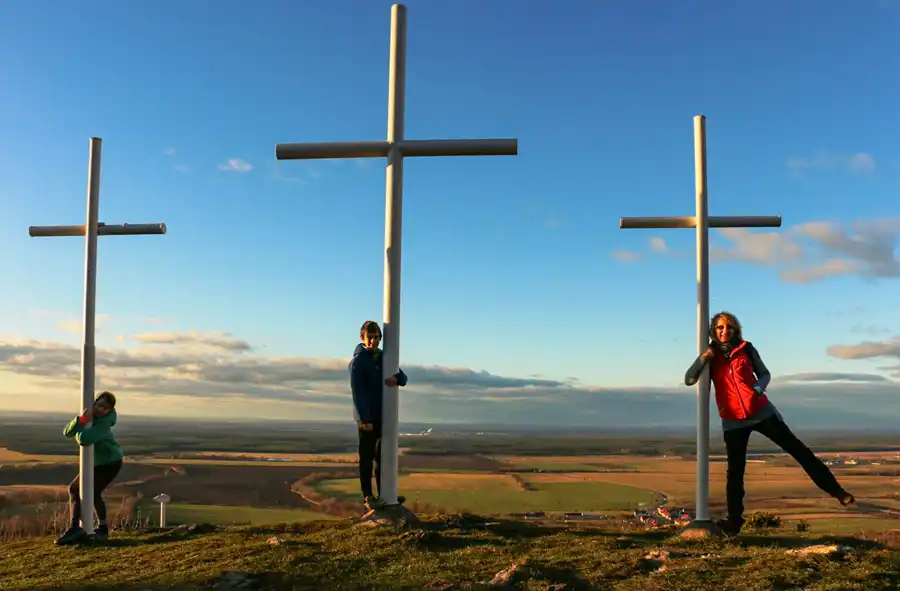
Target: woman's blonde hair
{"points": [[732, 320]]}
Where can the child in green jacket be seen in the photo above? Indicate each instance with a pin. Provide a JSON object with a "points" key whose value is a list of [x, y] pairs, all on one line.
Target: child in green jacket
{"points": [[107, 463]]}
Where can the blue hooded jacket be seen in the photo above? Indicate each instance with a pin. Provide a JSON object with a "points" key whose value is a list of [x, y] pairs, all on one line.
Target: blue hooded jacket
{"points": [[367, 385]]}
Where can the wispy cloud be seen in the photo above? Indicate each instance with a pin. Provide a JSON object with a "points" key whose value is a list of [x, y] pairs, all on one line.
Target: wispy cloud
{"points": [[170, 151], [655, 245], [627, 256], [808, 252], [857, 163], [236, 165], [77, 326], [279, 173]]}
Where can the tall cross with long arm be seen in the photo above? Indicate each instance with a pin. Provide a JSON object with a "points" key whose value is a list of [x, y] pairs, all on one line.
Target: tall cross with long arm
{"points": [[395, 148]]}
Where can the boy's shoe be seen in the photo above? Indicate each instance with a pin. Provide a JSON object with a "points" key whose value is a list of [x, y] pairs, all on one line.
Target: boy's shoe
{"points": [[401, 499], [72, 535], [101, 534], [374, 502], [729, 527]]}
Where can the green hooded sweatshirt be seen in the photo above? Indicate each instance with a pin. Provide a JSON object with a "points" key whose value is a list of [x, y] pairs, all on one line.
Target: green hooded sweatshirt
{"points": [[99, 434]]}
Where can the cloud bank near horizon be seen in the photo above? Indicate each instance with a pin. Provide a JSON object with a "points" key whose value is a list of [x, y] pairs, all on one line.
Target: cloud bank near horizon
{"points": [[206, 371]]}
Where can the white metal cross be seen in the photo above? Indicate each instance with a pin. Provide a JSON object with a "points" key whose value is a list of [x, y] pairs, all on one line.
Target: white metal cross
{"points": [[702, 222], [395, 148], [91, 230]]}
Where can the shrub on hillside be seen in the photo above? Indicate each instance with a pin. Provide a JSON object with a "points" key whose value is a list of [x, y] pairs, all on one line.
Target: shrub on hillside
{"points": [[763, 520]]}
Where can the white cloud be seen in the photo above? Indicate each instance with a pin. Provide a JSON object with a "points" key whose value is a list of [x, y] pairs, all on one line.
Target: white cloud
{"points": [[762, 248], [169, 151], [658, 245], [236, 165], [808, 252]]}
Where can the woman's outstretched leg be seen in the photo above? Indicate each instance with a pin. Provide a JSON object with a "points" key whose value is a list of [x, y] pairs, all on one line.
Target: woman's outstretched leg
{"points": [[780, 434]]}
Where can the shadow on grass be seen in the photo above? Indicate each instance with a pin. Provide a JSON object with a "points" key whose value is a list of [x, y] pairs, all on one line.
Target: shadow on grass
{"points": [[245, 581], [775, 540]]}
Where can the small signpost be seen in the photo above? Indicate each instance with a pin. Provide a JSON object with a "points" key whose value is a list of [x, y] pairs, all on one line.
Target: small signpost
{"points": [[91, 230], [702, 222], [395, 149], [163, 499]]}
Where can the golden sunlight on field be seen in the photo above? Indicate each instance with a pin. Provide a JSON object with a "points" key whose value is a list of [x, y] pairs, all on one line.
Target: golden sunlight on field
{"points": [[450, 482], [13, 457]]}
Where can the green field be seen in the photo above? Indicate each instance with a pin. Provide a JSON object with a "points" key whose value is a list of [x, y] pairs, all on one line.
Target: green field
{"points": [[180, 513], [498, 496]]}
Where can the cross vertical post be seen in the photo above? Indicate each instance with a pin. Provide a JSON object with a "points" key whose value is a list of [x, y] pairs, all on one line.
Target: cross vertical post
{"points": [[91, 231], [394, 149], [702, 221]]}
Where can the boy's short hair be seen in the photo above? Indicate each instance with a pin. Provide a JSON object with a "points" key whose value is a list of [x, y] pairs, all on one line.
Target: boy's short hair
{"points": [[369, 327], [107, 397]]}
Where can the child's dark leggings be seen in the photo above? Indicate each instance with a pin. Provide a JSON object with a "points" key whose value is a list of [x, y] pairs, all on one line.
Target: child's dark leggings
{"points": [[103, 475]]}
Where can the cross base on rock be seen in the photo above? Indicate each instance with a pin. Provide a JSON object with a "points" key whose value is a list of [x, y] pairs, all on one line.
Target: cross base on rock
{"points": [[701, 529], [395, 516]]}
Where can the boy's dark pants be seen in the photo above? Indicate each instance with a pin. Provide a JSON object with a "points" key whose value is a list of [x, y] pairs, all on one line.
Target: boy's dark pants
{"points": [[369, 458], [736, 446], [103, 476]]}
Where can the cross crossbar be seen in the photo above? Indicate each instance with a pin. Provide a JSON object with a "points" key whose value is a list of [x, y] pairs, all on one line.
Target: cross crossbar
{"points": [[381, 149], [102, 230], [750, 221]]}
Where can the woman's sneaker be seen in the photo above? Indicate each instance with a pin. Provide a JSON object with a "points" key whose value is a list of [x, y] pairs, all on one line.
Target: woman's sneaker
{"points": [[846, 499], [101, 534], [72, 535]]}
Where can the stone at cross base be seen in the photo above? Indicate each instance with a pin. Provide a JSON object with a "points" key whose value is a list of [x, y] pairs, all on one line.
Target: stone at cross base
{"points": [[395, 516], [701, 529]]}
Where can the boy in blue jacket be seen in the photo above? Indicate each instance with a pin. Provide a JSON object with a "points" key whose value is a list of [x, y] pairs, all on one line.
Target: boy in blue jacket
{"points": [[367, 388]]}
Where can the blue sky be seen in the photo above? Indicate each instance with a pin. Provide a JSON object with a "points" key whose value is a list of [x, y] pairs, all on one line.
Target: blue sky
{"points": [[513, 266]]}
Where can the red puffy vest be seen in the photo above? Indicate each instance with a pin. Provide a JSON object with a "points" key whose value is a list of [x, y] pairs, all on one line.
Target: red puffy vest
{"points": [[733, 379]]}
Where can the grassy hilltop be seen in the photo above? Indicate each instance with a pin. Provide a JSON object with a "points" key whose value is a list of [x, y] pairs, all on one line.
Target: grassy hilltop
{"points": [[448, 552]]}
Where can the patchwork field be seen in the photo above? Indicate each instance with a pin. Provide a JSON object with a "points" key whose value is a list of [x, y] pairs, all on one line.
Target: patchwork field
{"points": [[503, 494], [181, 513], [247, 485]]}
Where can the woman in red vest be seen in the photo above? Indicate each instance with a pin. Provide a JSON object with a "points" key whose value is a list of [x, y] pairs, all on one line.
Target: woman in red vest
{"points": [[740, 379]]}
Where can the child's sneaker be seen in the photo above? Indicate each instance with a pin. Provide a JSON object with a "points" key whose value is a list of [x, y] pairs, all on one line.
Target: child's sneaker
{"points": [[101, 534], [730, 527], [72, 535]]}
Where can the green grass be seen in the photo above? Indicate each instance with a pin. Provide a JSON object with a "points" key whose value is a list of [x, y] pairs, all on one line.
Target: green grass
{"points": [[181, 513], [556, 496], [458, 553], [846, 525]]}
